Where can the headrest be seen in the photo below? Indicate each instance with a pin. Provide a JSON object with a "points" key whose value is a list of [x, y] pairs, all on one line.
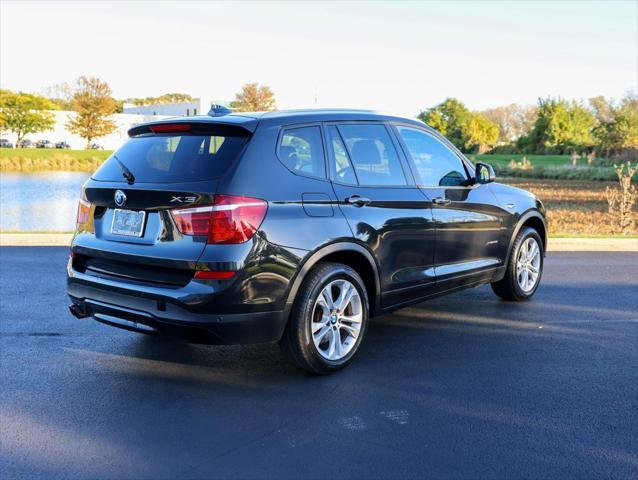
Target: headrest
{"points": [[286, 154], [366, 152]]}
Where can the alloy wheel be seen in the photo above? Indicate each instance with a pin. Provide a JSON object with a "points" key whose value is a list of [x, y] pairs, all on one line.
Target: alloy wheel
{"points": [[336, 320], [528, 265]]}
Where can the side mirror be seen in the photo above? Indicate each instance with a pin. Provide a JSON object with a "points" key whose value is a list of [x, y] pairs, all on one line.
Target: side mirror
{"points": [[484, 173]]}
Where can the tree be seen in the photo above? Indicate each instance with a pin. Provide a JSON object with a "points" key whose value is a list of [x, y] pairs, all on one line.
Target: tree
{"points": [[60, 94], [626, 119], [254, 98], [25, 113], [603, 109], [480, 133], [617, 125], [561, 126], [466, 129], [449, 118], [94, 106], [513, 121], [162, 99]]}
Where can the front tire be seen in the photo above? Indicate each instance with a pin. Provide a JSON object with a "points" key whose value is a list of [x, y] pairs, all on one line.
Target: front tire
{"points": [[524, 267], [328, 320]]}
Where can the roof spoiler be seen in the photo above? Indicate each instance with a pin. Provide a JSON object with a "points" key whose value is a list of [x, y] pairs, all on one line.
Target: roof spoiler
{"points": [[226, 124]]}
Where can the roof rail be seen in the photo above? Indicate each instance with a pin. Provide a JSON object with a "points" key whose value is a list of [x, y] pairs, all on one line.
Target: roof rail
{"points": [[218, 111]]}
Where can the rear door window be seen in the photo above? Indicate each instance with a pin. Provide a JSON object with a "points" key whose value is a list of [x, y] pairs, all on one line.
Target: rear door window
{"points": [[342, 170], [173, 157], [301, 151], [373, 155]]}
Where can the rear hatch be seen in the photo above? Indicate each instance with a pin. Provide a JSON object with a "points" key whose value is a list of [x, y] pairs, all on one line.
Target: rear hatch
{"points": [[126, 218]]}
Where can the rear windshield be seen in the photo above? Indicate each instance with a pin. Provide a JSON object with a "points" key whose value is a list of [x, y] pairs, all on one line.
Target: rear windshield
{"points": [[172, 158]]}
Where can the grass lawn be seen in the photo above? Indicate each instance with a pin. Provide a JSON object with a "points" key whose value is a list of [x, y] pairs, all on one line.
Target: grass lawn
{"points": [[540, 160], [49, 159]]}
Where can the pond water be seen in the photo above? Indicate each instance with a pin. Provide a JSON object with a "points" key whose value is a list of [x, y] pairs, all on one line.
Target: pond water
{"points": [[39, 201]]}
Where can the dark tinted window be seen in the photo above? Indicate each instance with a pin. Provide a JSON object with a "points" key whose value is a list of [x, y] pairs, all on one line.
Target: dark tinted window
{"points": [[373, 155], [435, 163], [301, 150], [172, 158], [342, 168]]}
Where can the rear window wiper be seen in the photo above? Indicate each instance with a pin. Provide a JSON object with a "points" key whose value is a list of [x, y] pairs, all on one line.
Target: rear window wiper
{"points": [[126, 173]]}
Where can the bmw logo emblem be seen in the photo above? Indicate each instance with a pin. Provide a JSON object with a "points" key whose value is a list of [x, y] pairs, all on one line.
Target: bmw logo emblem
{"points": [[120, 198]]}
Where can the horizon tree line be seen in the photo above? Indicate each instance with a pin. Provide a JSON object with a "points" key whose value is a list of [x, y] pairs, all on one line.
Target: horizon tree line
{"points": [[555, 125], [94, 106]]}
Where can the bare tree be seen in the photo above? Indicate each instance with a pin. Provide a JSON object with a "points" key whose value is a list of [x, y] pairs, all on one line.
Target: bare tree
{"points": [[60, 93], [513, 120], [621, 200]]}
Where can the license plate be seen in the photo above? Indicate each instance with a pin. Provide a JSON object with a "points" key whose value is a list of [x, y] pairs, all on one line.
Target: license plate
{"points": [[128, 222]]}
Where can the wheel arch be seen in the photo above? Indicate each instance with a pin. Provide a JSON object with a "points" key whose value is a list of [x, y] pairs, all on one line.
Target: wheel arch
{"points": [[352, 254], [534, 219]]}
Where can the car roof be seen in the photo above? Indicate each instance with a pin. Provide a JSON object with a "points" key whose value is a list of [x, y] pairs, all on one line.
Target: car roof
{"points": [[250, 120], [285, 117]]}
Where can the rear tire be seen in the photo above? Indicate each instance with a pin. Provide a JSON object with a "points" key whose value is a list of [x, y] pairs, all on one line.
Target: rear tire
{"points": [[328, 320], [524, 267]]}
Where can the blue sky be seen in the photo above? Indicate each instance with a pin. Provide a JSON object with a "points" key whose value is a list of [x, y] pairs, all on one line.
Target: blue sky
{"points": [[399, 57]]}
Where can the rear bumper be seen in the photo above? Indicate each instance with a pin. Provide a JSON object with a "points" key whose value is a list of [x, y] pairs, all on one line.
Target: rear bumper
{"points": [[160, 311]]}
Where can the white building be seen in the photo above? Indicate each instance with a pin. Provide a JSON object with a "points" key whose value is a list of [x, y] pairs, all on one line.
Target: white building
{"points": [[199, 106], [59, 133], [132, 116]]}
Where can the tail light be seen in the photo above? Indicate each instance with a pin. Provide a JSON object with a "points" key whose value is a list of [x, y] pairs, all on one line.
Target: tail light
{"points": [[84, 209], [230, 219]]}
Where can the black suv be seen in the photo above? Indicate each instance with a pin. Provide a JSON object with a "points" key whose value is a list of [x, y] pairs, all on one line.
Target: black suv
{"points": [[293, 226]]}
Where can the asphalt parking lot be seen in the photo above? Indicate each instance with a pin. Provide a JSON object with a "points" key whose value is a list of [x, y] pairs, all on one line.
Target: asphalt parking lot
{"points": [[464, 386]]}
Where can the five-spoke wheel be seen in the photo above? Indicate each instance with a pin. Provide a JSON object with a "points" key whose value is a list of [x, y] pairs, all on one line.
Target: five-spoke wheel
{"points": [[528, 264], [328, 320], [524, 268]]}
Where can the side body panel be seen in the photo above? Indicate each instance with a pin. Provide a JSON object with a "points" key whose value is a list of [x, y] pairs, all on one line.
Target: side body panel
{"points": [[397, 227], [471, 234]]}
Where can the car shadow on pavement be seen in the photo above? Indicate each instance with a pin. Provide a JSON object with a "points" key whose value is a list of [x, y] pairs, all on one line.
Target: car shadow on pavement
{"points": [[412, 332]]}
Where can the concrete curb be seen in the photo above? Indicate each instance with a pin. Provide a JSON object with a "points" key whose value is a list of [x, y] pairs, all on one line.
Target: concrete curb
{"points": [[593, 245], [555, 244]]}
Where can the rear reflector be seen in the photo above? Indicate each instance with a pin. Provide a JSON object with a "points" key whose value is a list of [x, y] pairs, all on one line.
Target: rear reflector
{"points": [[230, 219], [84, 209], [213, 275], [170, 127]]}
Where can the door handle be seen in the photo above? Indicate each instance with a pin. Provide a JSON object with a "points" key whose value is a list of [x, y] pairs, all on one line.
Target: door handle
{"points": [[358, 201], [441, 201]]}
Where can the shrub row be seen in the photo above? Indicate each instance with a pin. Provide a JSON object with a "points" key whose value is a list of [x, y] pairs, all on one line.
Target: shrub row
{"points": [[558, 172], [57, 162]]}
